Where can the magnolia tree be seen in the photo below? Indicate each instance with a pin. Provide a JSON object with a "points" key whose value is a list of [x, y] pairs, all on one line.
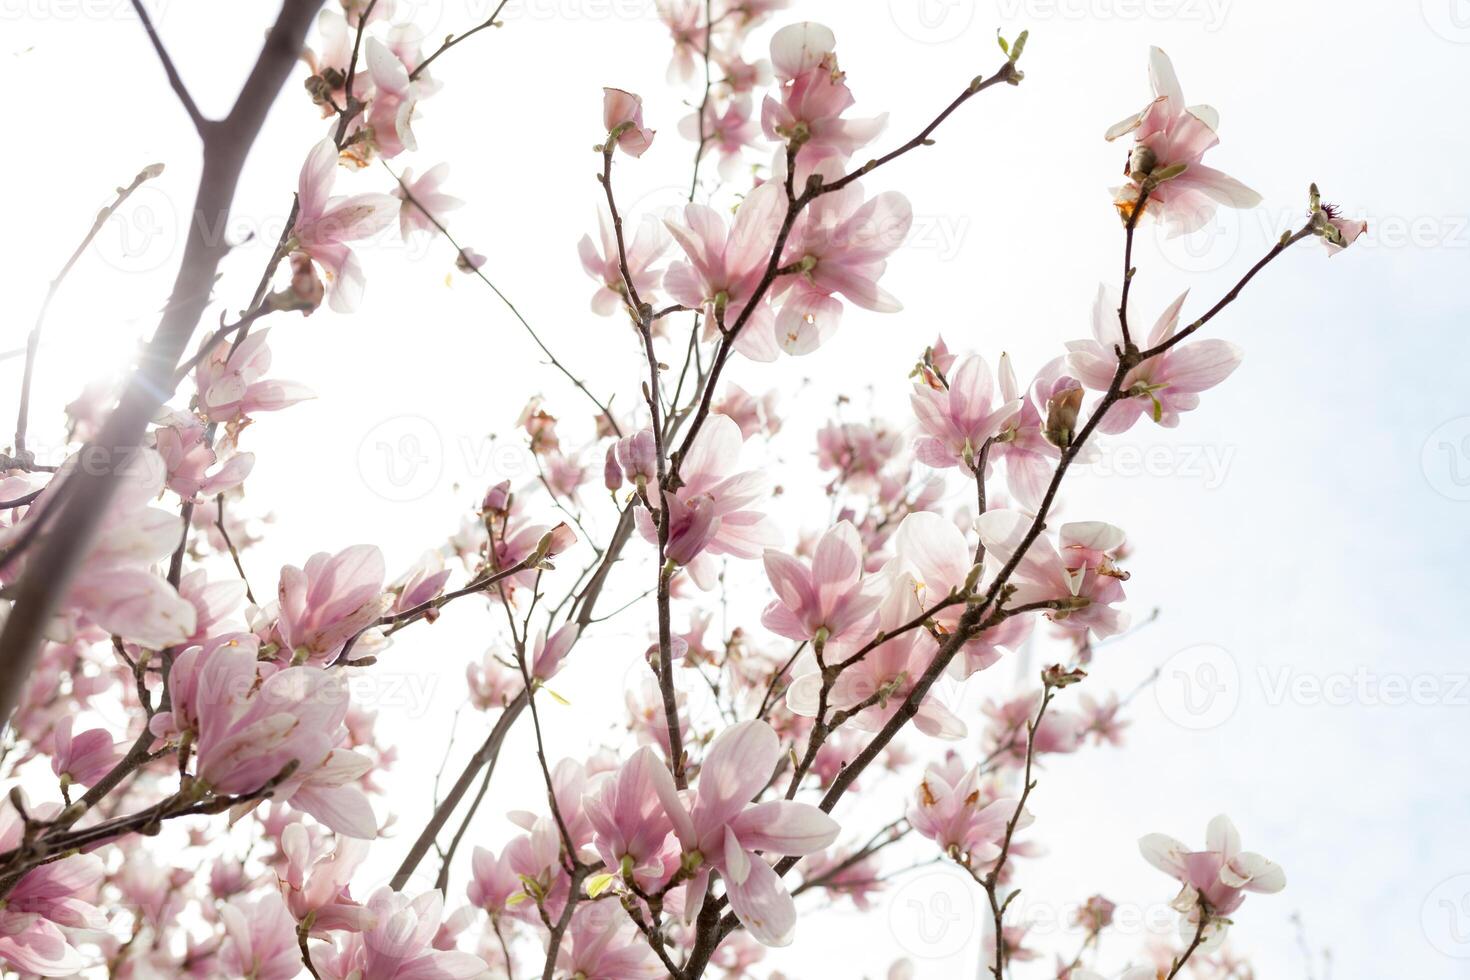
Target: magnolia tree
{"points": [[693, 843]]}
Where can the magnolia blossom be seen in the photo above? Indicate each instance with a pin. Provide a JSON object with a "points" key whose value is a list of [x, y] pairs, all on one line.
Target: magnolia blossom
{"points": [[1029, 456], [602, 944], [683, 19], [48, 899], [549, 653], [182, 442], [812, 98], [422, 199], [1215, 880], [325, 224], [1079, 576], [825, 601], [630, 830], [840, 246], [231, 381], [1171, 137], [878, 684], [317, 886], [712, 513], [83, 758], [332, 599], [727, 132], [959, 420], [494, 884], [955, 809], [116, 586], [399, 946], [260, 939], [622, 115], [1161, 387], [1339, 232], [390, 114], [646, 247], [248, 730], [726, 263], [720, 830]]}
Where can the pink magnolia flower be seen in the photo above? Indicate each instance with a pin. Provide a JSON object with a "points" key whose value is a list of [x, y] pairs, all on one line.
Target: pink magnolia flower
{"points": [[84, 758], [1161, 387], [116, 587], [955, 809], [753, 415], [1100, 718], [422, 199], [493, 881], [887, 673], [602, 944], [857, 452], [813, 96], [568, 784], [826, 598], [958, 421], [711, 514], [394, 100], [317, 886], [182, 442], [684, 21], [421, 583], [1219, 876], [260, 939], [1029, 457], [549, 653], [725, 264], [492, 681], [1343, 231], [399, 946], [44, 902], [622, 114], [1169, 134], [230, 381], [329, 601], [325, 224], [248, 729], [1081, 575], [721, 830], [1058, 733], [841, 245], [727, 132], [214, 603], [630, 829], [646, 247]]}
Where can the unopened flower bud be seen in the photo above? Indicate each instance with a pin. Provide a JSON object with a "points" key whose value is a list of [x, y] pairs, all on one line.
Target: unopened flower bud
{"points": [[497, 499], [555, 541], [612, 471], [1062, 409], [639, 455]]}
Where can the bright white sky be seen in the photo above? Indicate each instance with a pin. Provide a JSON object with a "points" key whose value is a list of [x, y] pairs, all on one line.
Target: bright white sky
{"points": [[1308, 523]]}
